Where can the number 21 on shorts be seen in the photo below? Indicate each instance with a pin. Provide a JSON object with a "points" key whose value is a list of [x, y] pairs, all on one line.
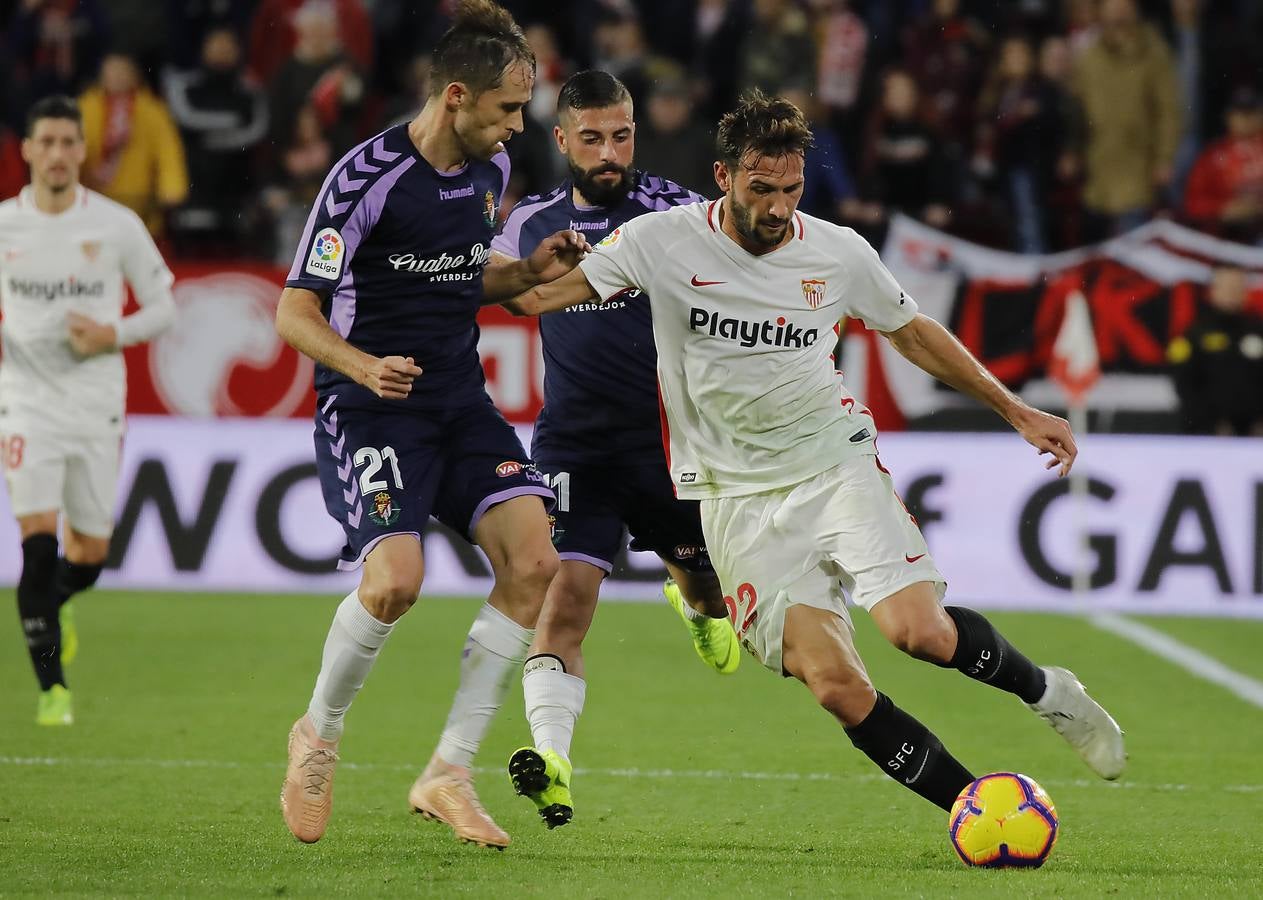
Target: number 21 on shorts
{"points": [[373, 459]]}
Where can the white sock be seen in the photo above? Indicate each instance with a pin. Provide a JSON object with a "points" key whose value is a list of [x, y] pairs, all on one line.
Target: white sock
{"points": [[554, 701], [494, 650], [355, 638], [691, 614]]}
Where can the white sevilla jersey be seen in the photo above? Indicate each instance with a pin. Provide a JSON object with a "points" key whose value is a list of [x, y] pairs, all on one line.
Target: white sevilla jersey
{"points": [[74, 260], [751, 395]]}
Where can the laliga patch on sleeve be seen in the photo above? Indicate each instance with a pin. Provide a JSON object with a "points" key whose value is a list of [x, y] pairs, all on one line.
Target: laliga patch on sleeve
{"points": [[612, 238], [327, 251]]}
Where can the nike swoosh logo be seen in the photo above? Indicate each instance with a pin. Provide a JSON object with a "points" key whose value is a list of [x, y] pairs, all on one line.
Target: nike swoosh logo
{"points": [[912, 559], [697, 283]]}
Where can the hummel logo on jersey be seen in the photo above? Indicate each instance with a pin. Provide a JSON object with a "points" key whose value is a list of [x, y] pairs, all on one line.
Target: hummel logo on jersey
{"points": [[697, 283], [466, 191], [55, 290], [778, 333], [590, 226]]}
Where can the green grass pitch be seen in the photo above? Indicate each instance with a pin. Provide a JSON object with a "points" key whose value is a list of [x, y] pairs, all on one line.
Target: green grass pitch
{"points": [[689, 784]]}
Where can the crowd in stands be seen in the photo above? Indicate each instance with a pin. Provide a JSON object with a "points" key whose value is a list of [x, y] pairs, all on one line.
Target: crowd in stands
{"points": [[1032, 125]]}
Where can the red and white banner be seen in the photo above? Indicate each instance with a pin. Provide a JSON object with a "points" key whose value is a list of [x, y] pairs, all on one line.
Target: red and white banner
{"points": [[222, 357], [1141, 290]]}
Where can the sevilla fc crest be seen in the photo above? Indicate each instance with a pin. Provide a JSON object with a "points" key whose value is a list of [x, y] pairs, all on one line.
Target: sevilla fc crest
{"points": [[813, 292], [91, 250]]}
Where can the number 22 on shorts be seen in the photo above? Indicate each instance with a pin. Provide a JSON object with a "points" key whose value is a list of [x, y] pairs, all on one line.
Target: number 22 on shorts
{"points": [[741, 611], [11, 448]]}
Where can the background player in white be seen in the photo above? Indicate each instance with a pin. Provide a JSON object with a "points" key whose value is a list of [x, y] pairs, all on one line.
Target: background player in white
{"points": [[746, 293], [65, 252]]}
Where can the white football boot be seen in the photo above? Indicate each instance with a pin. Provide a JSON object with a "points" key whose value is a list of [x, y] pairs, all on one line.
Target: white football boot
{"points": [[1083, 722]]}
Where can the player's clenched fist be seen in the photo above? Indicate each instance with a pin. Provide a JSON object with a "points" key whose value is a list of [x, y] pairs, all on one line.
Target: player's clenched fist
{"points": [[391, 377], [558, 253]]}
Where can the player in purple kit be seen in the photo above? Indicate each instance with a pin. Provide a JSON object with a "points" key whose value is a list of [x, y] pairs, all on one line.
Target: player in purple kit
{"points": [[387, 281], [599, 436]]}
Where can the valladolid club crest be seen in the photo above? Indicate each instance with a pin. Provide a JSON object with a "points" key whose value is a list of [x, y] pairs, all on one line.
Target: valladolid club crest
{"points": [[383, 511], [813, 292], [489, 208]]}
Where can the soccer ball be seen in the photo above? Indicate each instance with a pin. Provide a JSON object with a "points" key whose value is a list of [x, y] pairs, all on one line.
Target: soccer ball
{"points": [[1003, 821]]}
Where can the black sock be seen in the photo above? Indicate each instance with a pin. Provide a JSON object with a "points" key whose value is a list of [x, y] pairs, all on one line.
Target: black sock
{"points": [[983, 654], [37, 608], [909, 752], [72, 578]]}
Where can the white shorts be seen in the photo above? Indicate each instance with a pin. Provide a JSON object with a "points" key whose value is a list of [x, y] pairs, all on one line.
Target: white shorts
{"points": [[844, 530], [48, 472]]}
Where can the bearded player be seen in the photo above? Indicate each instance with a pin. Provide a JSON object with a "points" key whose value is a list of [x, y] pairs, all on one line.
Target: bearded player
{"points": [[796, 506]]}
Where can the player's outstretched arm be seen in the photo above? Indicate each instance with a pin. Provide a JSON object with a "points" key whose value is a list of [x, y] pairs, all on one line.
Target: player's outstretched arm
{"points": [[301, 324], [556, 255], [931, 347], [569, 290]]}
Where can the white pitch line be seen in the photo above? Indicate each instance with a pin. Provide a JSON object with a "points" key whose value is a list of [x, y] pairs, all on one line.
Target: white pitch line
{"points": [[694, 774], [1198, 663]]}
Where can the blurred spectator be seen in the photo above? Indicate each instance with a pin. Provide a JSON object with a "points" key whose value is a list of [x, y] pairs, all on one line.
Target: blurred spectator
{"points": [[778, 53], [828, 191], [134, 151], [946, 52], [415, 79], [669, 140], [1064, 197], [1021, 135], [221, 118], [318, 74], [842, 38], [551, 72], [1225, 188], [1186, 34], [1218, 362], [12, 168], [904, 169], [718, 27], [274, 35], [138, 29], [303, 163], [1082, 25], [1126, 82], [55, 47], [618, 47], [188, 21]]}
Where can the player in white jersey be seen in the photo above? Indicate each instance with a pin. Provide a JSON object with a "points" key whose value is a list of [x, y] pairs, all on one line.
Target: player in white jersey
{"points": [[65, 252], [796, 507]]}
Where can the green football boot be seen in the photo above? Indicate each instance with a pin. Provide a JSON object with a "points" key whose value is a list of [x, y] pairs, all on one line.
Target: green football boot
{"points": [[54, 707], [543, 776], [715, 641]]}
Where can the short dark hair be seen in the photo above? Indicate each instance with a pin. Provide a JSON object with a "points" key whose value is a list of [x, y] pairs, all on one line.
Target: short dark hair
{"points": [[482, 43], [55, 107], [591, 89], [767, 126]]}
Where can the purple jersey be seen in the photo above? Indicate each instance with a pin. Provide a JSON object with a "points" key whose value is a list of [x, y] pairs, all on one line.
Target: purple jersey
{"points": [[600, 378], [396, 251]]}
